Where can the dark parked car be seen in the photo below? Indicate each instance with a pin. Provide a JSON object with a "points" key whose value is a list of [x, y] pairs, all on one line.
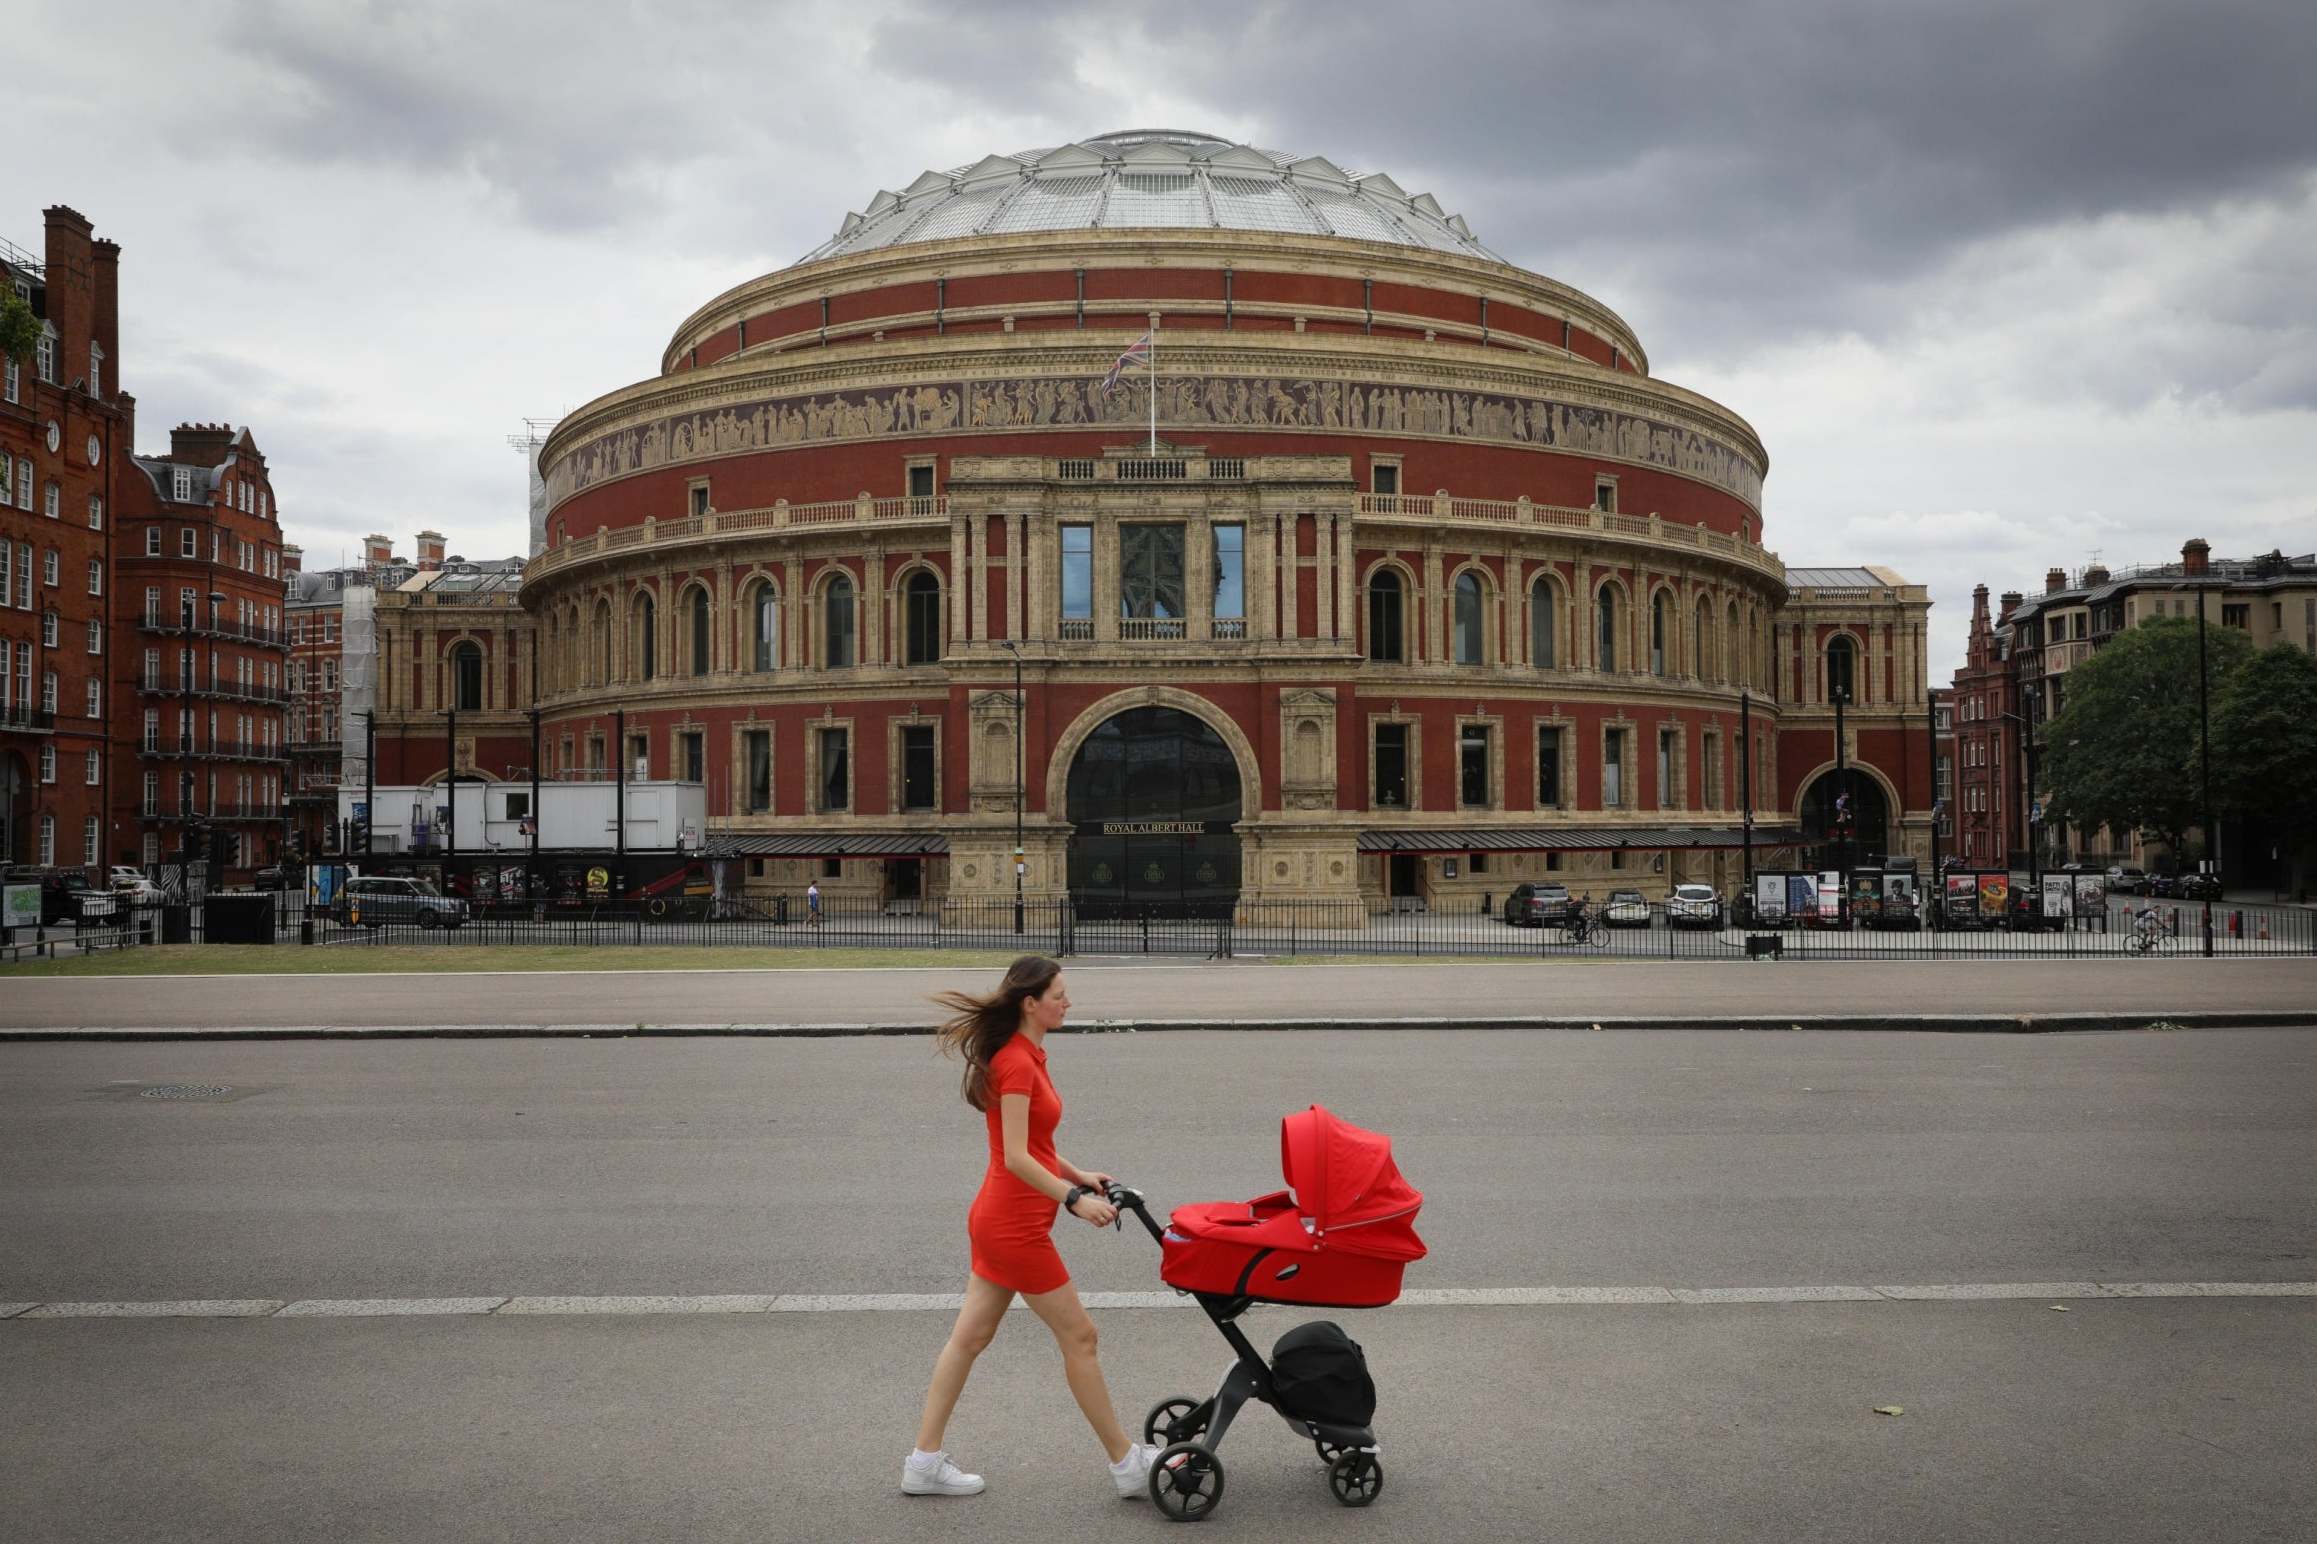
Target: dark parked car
{"points": [[1545, 905], [2183, 887], [60, 890]]}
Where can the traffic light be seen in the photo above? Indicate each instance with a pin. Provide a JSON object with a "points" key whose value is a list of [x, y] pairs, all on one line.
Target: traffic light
{"points": [[357, 833]]}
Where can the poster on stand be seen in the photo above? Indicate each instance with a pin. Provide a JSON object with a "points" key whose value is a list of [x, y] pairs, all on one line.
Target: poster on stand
{"points": [[1962, 900], [1994, 896], [2057, 903], [1770, 898]]}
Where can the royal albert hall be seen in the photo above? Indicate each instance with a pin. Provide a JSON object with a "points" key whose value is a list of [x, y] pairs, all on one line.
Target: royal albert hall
{"points": [[1411, 584]]}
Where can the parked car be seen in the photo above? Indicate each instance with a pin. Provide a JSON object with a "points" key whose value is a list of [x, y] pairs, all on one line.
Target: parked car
{"points": [[1626, 908], [281, 876], [2183, 887], [381, 899], [2123, 879], [61, 890], [2025, 914], [131, 885], [1530, 905], [1694, 906]]}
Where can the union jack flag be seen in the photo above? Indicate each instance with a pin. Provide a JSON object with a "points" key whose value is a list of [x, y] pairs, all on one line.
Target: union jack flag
{"points": [[1139, 354]]}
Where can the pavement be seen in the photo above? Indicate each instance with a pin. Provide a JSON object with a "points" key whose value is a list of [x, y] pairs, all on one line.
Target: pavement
{"points": [[1672, 1277], [1120, 995]]}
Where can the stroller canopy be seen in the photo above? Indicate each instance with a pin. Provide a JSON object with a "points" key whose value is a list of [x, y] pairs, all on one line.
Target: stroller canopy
{"points": [[1344, 1180]]}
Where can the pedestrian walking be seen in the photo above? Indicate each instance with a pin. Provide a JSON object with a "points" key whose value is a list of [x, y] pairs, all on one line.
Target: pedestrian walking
{"points": [[813, 904], [1002, 1037]]}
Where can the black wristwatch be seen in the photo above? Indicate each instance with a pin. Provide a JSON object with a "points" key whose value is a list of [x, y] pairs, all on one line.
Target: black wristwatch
{"points": [[1070, 1201]]}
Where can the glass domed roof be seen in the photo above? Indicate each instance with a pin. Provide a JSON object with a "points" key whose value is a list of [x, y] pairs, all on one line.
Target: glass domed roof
{"points": [[1148, 179]]}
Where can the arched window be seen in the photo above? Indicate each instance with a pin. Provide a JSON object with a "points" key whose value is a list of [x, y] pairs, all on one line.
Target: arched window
{"points": [[1468, 628], [921, 619], [1605, 628], [1733, 668], [1841, 654], [764, 626], [602, 642], [1660, 631], [467, 678], [837, 617], [697, 606], [1541, 624], [647, 643], [1385, 603], [1701, 644]]}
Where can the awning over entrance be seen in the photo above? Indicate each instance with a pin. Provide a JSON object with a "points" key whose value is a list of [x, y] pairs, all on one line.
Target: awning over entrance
{"points": [[1572, 838], [810, 845]]}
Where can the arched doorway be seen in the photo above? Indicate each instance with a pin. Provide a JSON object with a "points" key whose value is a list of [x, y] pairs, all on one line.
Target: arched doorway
{"points": [[1153, 795], [1870, 814], [15, 809]]}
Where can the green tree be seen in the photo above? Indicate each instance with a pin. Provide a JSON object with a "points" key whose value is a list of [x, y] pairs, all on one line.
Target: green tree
{"points": [[19, 328], [2123, 751], [2264, 748]]}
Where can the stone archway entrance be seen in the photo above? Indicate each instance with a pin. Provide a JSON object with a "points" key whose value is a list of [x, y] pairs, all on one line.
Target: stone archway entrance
{"points": [[1870, 814], [1152, 797]]}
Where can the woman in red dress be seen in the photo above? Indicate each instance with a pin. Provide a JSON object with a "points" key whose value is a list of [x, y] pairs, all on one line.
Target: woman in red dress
{"points": [[1002, 1037]]}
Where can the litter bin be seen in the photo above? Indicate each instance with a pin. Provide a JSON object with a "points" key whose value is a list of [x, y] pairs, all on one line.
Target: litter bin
{"points": [[177, 924], [238, 919]]}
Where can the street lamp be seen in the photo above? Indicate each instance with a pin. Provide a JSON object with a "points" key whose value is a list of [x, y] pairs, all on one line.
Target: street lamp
{"points": [[2027, 805], [1015, 649], [2211, 863]]}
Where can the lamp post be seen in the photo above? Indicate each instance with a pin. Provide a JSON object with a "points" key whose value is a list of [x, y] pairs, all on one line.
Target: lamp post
{"points": [[450, 783], [1746, 801], [1840, 692], [1015, 649], [2211, 863]]}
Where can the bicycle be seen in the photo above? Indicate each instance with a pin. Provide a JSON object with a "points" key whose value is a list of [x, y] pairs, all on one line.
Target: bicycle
{"points": [[1578, 927], [2150, 935]]}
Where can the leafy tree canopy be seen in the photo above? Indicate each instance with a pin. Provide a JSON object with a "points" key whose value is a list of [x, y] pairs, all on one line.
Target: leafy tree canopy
{"points": [[19, 328], [2264, 742], [2123, 751]]}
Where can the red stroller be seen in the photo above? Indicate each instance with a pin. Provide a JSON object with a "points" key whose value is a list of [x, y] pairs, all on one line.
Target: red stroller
{"points": [[1339, 1235]]}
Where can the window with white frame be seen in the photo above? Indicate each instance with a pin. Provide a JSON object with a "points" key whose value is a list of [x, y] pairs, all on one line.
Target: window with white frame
{"points": [[96, 698], [152, 541], [10, 379], [188, 544], [48, 621], [96, 379], [93, 763], [24, 575], [96, 636], [48, 567], [96, 513], [52, 500], [44, 366], [47, 840], [181, 485], [88, 840], [96, 576], [6, 649], [48, 763], [23, 483]]}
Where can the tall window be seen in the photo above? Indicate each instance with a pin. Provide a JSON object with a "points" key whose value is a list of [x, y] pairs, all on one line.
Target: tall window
{"points": [[467, 678], [1078, 576], [1701, 640], [1391, 766], [1150, 571], [1541, 624], [921, 608], [1472, 777], [694, 747], [697, 609], [1605, 628], [1840, 655], [603, 643], [1548, 766], [1660, 626], [1733, 668], [1230, 571], [757, 744], [917, 766], [836, 770], [764, 626], [1467, 618], [647, 638], [1385, 598], [1665, 769], [1613, 770], [837, 619]]}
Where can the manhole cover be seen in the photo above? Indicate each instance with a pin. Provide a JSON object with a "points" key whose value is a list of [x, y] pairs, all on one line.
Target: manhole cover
{"points": [[184, 1091]]}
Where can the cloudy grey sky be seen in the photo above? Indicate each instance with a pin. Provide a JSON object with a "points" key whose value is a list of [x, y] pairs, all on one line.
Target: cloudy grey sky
{"points": [[2002, 285]]}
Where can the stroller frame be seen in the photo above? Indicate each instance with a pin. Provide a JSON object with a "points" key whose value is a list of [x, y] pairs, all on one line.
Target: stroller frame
{"points": [[1249, 1378]]}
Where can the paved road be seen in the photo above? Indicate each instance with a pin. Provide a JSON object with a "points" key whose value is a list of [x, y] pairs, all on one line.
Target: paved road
{"points": [[1186, 990], [423, 1168]]}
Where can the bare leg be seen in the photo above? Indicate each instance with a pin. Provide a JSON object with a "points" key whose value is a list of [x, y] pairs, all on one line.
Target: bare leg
{"points": [[1074, 1333], [985, 1307]]}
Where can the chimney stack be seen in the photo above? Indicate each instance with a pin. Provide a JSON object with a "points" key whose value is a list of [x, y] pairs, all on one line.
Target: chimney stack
{"points": [[2196, 557], [377, 552], [201, 444], [293, 558], [2011, 599], [1978, 600], [429, 551], [2095, 576], [2054, 580], [71, 290]]}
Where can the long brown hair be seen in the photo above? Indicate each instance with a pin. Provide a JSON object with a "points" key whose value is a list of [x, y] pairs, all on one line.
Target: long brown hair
{"points": [[982, 1025]]}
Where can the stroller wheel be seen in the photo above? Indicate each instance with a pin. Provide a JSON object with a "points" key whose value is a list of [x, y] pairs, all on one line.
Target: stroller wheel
{"points": [[1356, 1478], [1186, 1482], [1328, 1451], [1168, 1422]]}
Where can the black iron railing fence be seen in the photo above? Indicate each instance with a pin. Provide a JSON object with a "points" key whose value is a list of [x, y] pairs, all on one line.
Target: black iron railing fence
{"points": [[1292, 928]]}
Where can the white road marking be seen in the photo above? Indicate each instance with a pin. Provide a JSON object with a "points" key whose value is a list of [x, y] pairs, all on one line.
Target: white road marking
{"points": [[949, 1302]]}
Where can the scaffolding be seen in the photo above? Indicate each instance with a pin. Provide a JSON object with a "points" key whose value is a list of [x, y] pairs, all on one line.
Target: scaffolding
{"points": [[534, 435]]}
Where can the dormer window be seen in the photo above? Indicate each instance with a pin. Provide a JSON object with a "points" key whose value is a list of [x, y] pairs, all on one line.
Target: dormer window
{"points": [[181, 488], [44, 356]]}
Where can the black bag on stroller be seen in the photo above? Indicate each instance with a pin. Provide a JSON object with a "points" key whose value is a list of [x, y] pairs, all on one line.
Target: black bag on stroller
{"points": [[1321, 1375]]}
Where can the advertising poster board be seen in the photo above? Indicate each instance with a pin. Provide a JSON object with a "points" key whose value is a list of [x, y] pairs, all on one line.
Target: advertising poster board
{"points": [[1801, 895], [1899, 898], [1962, 898], [2057, 903], [1770, 898], [1994, 896], [20, 906], [2091, 895], [1866, 897]]}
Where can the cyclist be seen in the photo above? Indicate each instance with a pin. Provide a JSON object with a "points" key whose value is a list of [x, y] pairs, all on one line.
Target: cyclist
{"points": [[1574, 919], [2148, 928]]}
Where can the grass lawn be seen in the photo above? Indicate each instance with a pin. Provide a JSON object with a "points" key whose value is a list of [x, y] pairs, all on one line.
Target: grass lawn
{"points": [[452, 959]]}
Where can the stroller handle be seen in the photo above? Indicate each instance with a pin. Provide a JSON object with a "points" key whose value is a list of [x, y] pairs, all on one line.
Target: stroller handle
{"points": [[1126, 1199]]}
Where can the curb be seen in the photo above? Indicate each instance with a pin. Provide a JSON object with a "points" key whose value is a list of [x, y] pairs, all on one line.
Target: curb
{"points": [[1956, 1023]]}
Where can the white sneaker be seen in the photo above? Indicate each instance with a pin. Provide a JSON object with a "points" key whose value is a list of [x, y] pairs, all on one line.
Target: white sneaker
{"points": [[1131, 1474], [939, 1478]]}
